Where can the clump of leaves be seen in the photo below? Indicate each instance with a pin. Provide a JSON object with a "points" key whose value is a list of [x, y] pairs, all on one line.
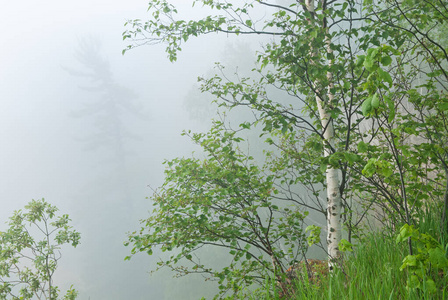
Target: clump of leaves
{"points": [[30, 250], [430, 259], [226, 201]]}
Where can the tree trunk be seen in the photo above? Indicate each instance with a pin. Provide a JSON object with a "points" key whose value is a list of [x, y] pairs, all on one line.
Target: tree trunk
{"points": [[334, 203]]}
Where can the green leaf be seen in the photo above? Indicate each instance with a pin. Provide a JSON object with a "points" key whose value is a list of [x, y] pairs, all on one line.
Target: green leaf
{"points": [[351, 158], [375, 102], [406, 231], [362, 147], [431, 285], [370, 168], [434, 73], [360, 61], [413, 282], [386, 60], [372, 52], [409, 261], [385, 76], [438, 258], [443, 106], [369, 63], [366, 106], [245, 125], [345, 245]]}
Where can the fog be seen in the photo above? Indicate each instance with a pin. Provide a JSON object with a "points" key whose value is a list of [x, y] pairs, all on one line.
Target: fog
{"points": [[50, 146], [60, 139]]}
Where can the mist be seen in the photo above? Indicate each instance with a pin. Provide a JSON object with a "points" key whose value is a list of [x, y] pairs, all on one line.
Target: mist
{"points": [[56, 145], [88, 129]]}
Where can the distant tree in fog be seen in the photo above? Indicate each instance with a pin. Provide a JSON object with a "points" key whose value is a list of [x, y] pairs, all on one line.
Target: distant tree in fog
{"points": [[109, 105], [109, 108]]}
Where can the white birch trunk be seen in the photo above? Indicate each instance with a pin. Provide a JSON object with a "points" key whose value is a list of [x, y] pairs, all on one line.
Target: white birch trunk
{"points": [[334, 202]]}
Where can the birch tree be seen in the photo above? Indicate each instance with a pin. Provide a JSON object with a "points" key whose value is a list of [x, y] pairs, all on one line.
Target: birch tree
{"points": [[334, 203], [303, 61], [352, 68]]}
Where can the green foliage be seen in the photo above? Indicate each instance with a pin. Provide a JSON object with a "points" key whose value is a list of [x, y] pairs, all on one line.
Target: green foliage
{"points": [[412, 110], [30, 250], [225, 201], [314, 237], [345, 246], [424, 266], [373, 273], [410, 144], [371, 76]]}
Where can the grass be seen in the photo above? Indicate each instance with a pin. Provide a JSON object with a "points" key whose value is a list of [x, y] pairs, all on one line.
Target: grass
{"points": [[373, 272]]}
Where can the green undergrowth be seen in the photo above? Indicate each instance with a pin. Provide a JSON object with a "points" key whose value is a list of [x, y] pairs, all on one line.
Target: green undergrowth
{"points": [[371, 272]]}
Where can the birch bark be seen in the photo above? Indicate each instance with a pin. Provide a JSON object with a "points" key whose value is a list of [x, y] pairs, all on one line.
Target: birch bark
{"points": [[334, 202]]}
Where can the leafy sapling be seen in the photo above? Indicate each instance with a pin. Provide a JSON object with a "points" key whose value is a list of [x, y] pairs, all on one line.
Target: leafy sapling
{"points": [[30, 251], [429, 259]]}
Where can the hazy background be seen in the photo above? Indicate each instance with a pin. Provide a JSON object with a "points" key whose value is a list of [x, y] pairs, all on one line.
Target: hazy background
{"points": [[88, 129], [52, 124]]}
